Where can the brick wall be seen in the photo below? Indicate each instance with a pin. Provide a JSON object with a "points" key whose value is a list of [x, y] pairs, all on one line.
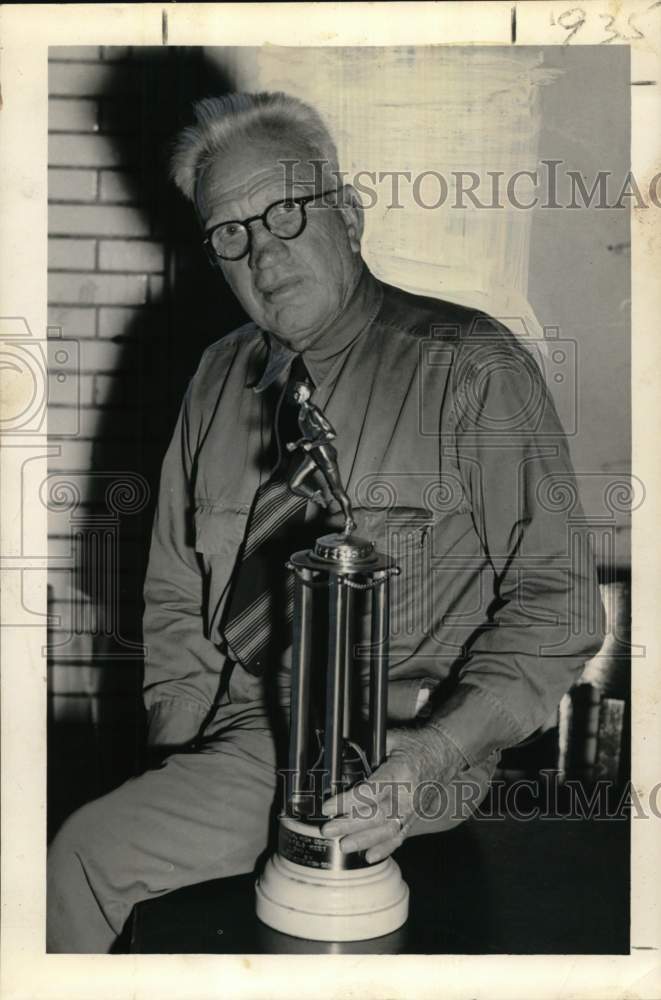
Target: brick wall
{"points": [[105, 263], [128, 285], [106, 270]]}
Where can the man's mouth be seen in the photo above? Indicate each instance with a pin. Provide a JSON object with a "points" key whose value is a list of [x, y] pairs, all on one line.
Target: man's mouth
{"points": [[280, 289]]}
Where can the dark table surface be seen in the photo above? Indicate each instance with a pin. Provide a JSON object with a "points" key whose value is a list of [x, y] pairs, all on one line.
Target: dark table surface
{"points": [[491, 886]]}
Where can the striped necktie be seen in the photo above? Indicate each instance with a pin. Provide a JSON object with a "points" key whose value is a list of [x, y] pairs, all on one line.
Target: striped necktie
{"points": [[257, 624]]}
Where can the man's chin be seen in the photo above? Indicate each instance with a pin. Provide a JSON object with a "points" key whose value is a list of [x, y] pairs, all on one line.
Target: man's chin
{"points": [[294, 330], [294, 341]]}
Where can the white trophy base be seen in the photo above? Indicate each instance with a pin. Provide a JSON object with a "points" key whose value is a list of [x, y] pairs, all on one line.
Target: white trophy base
{"points": [[330, 905]]}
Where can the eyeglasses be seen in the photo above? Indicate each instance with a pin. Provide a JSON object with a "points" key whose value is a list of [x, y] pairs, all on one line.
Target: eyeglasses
{"points": [[285, 219]]}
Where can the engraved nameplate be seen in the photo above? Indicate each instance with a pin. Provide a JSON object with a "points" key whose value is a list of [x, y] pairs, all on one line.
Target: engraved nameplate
{"points": [[317, 852]]}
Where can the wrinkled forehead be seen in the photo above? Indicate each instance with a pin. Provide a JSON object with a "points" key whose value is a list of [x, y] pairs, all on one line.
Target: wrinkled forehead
{"points": [[257, 172]]}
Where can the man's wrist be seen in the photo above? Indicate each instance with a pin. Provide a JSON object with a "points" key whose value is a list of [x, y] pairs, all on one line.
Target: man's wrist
{"points": [[437, 757], [444, 749]]}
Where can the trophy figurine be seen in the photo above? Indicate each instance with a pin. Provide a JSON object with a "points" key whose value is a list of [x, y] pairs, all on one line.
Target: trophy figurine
{"points": [[319, 455], [309, 887]]}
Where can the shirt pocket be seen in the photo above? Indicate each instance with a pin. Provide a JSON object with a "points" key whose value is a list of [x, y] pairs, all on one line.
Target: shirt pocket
{"points": [[393, 528], [416, 539], [219, 528], [219, 533]]}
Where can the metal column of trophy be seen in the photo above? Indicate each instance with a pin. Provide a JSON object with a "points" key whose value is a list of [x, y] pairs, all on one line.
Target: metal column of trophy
{"points": [[309, 888]]}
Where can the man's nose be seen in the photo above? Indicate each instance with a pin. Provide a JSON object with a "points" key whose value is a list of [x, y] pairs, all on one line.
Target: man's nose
{"points": [[265, 248]]}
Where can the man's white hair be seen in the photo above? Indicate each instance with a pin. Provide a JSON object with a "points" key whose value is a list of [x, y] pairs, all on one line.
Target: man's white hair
{"points": [[221, 122]]}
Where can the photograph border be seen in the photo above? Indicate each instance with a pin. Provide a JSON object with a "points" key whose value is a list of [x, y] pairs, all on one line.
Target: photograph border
{"points": [[27, 31]]}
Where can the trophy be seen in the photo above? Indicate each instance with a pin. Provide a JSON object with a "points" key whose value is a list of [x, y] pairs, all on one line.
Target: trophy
{"points": [[309, 887]]}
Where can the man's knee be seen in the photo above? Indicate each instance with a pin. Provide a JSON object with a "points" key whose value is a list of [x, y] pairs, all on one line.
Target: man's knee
{"points": [[84, 832], [85, 913]]}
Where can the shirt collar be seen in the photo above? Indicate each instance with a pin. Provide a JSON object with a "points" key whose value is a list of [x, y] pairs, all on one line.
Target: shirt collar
{"points": [[355, 318]]}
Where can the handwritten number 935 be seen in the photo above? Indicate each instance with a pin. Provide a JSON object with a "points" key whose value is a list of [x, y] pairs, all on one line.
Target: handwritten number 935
{"points": [[612, 26]]}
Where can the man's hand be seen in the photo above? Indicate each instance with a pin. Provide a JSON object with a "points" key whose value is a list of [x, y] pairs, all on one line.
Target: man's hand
{"points": [[375, 815]]}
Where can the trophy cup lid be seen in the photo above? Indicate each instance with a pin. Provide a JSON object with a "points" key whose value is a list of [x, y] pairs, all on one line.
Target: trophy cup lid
{"points": [[346, 549]]}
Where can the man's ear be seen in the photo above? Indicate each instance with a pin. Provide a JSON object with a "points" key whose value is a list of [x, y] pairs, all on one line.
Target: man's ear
{"points": [[352, 213]]}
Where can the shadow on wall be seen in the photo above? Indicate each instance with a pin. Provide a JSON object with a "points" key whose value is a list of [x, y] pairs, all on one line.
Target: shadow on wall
{"points": [[161, 349]]}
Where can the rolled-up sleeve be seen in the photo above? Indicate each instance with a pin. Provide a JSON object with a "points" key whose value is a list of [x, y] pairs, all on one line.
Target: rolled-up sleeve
{"points": [[545, 612]]}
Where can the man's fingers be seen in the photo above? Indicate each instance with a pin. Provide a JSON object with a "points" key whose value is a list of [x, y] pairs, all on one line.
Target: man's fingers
{"points": [[336, 806], [360, 801], [342, 826], [382, 851], [364, 839], [367, 795]]}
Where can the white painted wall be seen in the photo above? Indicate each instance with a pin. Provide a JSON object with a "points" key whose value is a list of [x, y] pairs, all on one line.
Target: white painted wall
{"points": [[580, 264]]}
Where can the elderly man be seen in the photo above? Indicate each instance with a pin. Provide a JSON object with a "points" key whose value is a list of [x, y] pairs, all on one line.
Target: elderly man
{"points": [[447, 443]]}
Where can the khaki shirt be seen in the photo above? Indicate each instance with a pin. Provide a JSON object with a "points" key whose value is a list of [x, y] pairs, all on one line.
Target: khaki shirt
{"points": [[456, 465]]}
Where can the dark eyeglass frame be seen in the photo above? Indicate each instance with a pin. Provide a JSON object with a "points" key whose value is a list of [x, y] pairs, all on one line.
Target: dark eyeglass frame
{"points": [[214, 256]]}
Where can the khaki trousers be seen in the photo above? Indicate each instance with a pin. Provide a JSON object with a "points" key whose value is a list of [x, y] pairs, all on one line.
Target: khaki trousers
{"points": [[199, 816]]}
